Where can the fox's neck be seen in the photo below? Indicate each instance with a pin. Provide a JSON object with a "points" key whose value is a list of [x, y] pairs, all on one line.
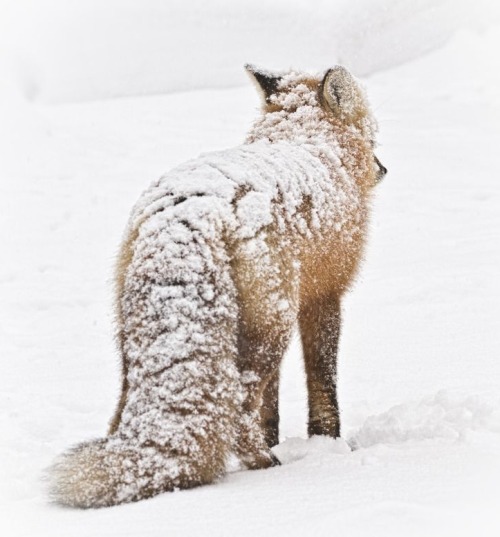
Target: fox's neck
{"points": [[335, 145], [304, 126], [294, 116]]}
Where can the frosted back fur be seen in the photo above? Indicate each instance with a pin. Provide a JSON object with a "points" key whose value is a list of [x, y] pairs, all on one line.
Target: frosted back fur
{"points": [[222, 256]]}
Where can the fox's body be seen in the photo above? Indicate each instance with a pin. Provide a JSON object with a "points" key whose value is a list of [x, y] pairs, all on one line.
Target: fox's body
{"points": [[222, 256]]}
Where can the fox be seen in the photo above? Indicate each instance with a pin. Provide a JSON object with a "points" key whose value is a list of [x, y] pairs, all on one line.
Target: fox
{"points": [[221, 259]]}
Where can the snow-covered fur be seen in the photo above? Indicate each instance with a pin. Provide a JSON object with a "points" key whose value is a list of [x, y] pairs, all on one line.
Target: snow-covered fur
{"points": [[222, 256]]}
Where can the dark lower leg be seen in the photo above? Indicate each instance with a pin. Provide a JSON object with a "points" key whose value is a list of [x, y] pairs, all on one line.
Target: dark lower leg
{"points": [[270, 410], [320, 329], [253, 449], [259, 362]]}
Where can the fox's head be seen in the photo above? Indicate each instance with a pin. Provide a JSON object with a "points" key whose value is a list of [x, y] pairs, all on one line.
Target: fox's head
{"points": [[329, 108]]}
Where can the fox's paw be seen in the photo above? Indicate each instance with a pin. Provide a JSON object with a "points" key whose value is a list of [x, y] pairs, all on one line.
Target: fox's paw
{"points": [[276, 461], [260, 460]]}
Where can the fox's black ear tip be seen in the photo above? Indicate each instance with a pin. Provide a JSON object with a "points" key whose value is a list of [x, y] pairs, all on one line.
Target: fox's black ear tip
{"points": [[260, 71], [253, 69], [266, 80]]}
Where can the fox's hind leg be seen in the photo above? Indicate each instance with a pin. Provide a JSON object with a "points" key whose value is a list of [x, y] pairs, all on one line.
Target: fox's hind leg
{"points": [[319, 323], [259, 360], [269, 411], [267, 291]]}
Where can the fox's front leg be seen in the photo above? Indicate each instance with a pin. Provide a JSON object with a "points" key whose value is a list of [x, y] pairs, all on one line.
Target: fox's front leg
{"points": [[319, 323]]}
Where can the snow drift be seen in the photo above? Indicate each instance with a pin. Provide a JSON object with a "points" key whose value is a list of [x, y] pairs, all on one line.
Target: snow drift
{"points": [[62, 50]]}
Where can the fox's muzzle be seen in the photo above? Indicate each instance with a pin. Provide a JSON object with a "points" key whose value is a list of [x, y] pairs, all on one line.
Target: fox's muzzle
{"points": [[382, 170]]}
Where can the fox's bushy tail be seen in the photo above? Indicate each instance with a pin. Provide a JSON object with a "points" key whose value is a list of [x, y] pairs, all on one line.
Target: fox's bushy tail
{"points": [[177, 420]]}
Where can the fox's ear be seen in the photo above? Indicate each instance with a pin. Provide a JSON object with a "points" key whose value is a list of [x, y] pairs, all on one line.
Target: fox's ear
{"points": [[341, 93], [267, 82]]}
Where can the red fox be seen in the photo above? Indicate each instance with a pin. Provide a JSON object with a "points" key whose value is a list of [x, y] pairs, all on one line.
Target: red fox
{"points": [[223, 255]]}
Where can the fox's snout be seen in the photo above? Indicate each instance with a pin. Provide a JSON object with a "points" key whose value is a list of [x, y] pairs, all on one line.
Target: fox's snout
{"points": [[382, 170]]}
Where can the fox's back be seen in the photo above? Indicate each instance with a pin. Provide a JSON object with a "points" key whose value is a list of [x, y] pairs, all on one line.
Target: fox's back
{"points": [[266, 199]]}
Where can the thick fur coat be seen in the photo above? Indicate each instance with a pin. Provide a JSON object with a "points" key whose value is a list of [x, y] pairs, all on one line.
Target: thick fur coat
{"points": [[222, 256]]}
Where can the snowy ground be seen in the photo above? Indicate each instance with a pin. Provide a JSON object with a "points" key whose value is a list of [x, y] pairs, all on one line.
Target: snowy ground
{"points": [[420, 366]]}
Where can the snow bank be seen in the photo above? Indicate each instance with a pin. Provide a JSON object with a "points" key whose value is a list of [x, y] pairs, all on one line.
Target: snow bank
{"points": [[69, 50], [439, 416]]}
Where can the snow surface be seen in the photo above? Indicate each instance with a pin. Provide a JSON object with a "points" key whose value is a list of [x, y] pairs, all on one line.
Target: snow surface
{"points": [[419, 366]]}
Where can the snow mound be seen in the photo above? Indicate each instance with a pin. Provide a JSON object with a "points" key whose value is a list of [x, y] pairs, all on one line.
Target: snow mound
{"points": [[316, 447], [72, 51], [439, 416]]}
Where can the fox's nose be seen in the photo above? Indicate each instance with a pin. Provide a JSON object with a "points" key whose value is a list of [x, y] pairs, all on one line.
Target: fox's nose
{"points": [[382, 170]]}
